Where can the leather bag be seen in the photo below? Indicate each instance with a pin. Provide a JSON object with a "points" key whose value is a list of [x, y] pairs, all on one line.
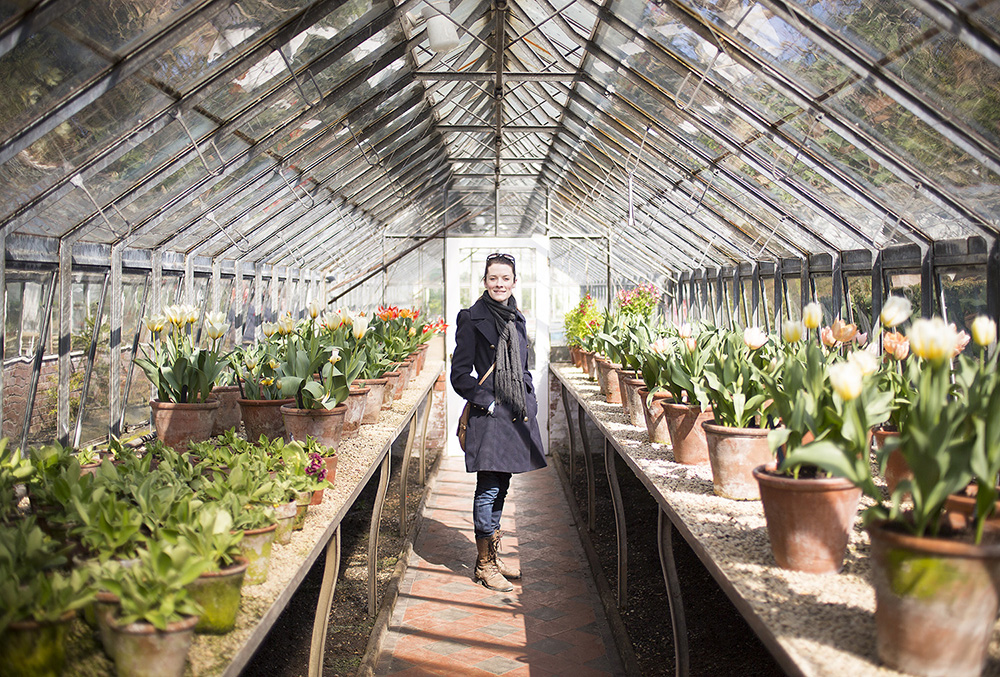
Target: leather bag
{"points": [[463, 420]]}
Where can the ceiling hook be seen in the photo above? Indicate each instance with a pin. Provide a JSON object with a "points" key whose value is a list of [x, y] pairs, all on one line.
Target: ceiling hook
{"points": [[218, 172], [715, 173], [211, 217], [798, 150], [281, 175], [77, 181], [719, 49], [298, 83]]}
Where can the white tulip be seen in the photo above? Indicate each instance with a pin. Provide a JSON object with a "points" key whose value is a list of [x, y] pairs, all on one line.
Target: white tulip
{"points": [[895, 311], [792, 331], [812, 315], [846, 379], [866, 361], [754, 338], [984, 330], [932, 339]]}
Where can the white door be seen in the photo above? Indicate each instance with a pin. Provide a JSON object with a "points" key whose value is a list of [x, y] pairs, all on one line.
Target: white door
{"points": [[465, 259]]}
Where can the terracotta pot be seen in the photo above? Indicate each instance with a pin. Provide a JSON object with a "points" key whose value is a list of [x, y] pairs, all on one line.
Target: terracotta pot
{"points": [[612, 391], [960, 510], [323, 425], [733, 454], [686, 434], [317, 497], [143, 651], [178, 423], [356, 402], [218, 593], [631, 401], [589, 364], [935, 602], [302, 502], [602, 366], [392, 382], [403, 369], [656, 420], [227, 417], [574, 355], [256, 548], [373, 402], [105, 605], [29, 648], [331, 468], [285, 514], [263, 418], [421, 354], [406, 371], [896, 468], [809, 521]]}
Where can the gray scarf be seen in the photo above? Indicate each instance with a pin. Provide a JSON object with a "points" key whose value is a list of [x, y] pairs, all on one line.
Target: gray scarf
{"points": [[508, 381]]}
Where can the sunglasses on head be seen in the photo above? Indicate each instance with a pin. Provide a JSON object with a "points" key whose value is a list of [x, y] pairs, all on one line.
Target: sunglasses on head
{"points": [[497, 255]]}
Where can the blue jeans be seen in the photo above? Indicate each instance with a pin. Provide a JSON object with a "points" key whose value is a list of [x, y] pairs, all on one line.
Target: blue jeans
{"points": [[487, 506]]}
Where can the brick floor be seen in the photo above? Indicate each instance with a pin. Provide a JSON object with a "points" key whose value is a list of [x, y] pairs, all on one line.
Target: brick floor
{"points": [[552, 623]]}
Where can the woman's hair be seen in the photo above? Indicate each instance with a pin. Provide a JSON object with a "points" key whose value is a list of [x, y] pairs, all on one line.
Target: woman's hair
{"points": [[505, 259]]}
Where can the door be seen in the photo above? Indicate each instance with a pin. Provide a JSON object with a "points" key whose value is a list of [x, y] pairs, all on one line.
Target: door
{"points": [[465, 261]]}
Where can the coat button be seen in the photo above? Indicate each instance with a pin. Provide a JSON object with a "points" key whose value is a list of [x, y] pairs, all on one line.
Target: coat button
{"points": [[525, 419], [492, 347]]}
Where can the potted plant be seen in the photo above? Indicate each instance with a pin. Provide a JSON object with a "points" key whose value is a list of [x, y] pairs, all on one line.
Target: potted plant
{"points": [[736, 436], [37, 600], [828, 405], [183, 374], [153, 624], [208, 532], [15, 470], [318, 410], [372, 376], [352, 348], [227, 392], [258, 524], [258, 372], [682, 374]]}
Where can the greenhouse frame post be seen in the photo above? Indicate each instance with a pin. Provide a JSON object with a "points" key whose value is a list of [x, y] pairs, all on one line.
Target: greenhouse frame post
{"points": [[115, 401], [64, 343]]}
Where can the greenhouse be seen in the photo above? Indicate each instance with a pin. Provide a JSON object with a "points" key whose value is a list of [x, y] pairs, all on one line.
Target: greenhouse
{"points": [[729, 267]]}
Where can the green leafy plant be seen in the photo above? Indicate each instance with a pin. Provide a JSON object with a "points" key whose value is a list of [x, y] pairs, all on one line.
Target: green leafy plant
{"points": [[178, 369], [258, 366], [677, 364], [736, 393], [582, 321]]}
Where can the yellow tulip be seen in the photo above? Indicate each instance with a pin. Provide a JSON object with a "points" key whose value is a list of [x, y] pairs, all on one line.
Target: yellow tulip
{"points": [[250, 362], [793, 331], [812, 315], [984, 330], [155, 323], [846, 379]]}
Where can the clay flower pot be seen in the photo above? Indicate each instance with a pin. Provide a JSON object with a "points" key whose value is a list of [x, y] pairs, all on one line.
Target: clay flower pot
{"points": [[373, 402], [29, 648], [653, 414], [809, 521], [302, 502], [323, 425], [935, 601], [227, 417], [143, 651], [589, 364], [686, 434], [285, 514], [609, 377], [263, 417], [574, 355], [178, 423], [392, 381], [357, 400], [218, 593], [601, 369], [256, 548], [896, 469], [733, 454], [631, 401]]}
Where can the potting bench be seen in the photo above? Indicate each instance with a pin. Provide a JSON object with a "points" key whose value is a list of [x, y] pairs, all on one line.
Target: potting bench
{"points": [[812, 624], [360, 458]]}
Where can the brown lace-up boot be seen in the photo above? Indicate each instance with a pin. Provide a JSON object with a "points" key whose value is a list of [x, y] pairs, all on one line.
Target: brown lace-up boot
{"points": [[505, 570], [486, 567]]}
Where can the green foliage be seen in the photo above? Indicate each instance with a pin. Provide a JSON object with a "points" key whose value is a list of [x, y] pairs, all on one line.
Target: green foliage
{"points": [[179, 370], [734, 389], [583, 321]]}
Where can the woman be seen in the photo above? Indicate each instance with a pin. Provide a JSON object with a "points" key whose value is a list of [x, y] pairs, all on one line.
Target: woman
{"points": [[502, 437]]}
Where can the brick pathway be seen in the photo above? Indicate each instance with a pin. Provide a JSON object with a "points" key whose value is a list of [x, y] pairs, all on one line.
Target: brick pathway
{"points": [[446, 624]]}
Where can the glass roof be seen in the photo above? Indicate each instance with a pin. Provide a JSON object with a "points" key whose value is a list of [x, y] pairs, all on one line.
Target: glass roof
{"points": [[331, 135]]}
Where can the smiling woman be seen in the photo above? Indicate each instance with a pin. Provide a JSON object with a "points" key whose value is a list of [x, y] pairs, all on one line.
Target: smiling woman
{"points": [[491, 338]]}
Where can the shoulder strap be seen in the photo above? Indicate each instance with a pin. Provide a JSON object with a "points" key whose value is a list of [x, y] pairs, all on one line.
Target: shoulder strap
{"points": [[487, 374]]}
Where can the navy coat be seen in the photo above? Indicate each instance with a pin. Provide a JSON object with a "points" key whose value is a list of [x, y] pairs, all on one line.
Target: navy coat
{"points": [[498, 442]]}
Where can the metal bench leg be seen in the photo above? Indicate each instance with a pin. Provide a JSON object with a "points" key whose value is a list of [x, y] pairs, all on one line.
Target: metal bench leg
{"points": [[383, 484], [569, 427], [620, 531], [423, 437], [588, 462], [404, 473], [322, 619], [665, 529]]}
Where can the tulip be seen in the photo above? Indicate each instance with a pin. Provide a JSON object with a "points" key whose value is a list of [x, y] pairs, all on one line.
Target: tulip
{"points": [[334, 356], [962, 339], [895, 311], [846, 379], [843, 332], [861, 338], [268, 328], [314, 309], [190, 314], [812, 315], [660, 346], [684, 331], [691, 343], [754, 338], [267, 381], [984, 330], [250, 362], [932, 339], [360, 326], [155, 323], [793, 331], [866, 362], [286, 325], [175, 315], [896, 345], [216, 325], [273, 364], [826, 335], [412, 332]]}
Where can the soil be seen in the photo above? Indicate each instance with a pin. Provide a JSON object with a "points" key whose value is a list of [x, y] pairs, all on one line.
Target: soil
{"points": [[285, 651], [720, 641]]}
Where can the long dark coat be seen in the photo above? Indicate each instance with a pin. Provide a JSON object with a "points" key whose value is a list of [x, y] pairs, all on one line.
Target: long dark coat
{"points": [[498, 442]]}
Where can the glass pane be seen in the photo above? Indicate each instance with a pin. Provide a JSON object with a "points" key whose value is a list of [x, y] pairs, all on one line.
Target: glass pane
{"points": [[766, 313], [793, 297], [823, 293], [908, 285], [172, 289], [26, 294], [964, 295], [859, 301], [134, 287], [86, 293]]}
